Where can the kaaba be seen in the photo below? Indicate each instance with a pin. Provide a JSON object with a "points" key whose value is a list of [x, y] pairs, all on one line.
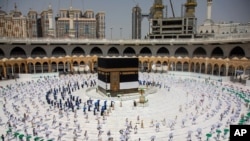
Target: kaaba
{"points": [[117, 75]]}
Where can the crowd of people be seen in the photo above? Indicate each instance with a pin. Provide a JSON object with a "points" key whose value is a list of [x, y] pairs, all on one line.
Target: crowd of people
{"points": [[57, 108]]}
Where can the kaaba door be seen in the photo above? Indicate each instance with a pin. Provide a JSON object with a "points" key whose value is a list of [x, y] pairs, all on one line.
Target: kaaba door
{"points": [[115, 81]]}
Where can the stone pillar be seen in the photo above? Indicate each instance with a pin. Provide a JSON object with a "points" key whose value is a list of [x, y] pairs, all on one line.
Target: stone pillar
{"points": [[91, 66], [19, 68], [212, 70], [4, 71], [12, 70], [227, 67], [200, 69], [219, 71], [189, 67], [149, 68], [26, 68], [64, 66], [49, 67], [34, 68], [206, 67], [71, 67]]}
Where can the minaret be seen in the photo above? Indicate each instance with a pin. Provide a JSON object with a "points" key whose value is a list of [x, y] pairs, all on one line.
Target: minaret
{"points": [[209, 21], [190, 8], [136, 22], [50, 17], [156, 10]]}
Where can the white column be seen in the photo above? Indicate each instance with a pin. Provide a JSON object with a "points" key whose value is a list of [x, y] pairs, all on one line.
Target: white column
{"points": [[50, 20], [209, 9], [150, 25], [24, 28], [71, 26], [34, 68], [71, 23], [212, 70], [227, 68], [219, 71], [12, 70]]}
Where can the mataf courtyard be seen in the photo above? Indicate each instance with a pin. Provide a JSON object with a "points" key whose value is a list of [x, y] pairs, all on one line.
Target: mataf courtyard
{"points": [[70, 108]]}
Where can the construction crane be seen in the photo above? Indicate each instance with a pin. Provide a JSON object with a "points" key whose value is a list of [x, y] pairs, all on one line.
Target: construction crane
{"points": [[171, 4]]}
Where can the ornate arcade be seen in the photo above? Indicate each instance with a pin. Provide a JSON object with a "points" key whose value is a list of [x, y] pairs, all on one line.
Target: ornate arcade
{"points": [[215, 56]]}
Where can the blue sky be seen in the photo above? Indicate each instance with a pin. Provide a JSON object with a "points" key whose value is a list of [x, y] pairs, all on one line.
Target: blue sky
{"points": [[118, 12]]}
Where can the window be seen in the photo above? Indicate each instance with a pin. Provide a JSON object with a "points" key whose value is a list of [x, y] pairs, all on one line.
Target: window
{"points": [[66, 28], [86, 29]]}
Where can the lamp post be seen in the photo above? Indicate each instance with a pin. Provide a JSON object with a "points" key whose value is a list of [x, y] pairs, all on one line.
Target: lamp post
{"points": [[111, 32], [120, 32]]}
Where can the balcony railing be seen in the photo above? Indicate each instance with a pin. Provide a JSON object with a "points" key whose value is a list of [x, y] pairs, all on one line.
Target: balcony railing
{"points": [[215, 39]]}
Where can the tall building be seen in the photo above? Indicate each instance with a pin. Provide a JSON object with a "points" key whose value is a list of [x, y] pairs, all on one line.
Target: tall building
{"points": [[14, 24], [136, 22], [173, 27], [47, 23], [75, 24], [100, 25], [69, 23], [32, 23]]}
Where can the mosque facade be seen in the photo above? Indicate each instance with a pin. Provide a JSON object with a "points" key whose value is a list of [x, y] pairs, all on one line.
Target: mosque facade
{"points": [[221, 57]]}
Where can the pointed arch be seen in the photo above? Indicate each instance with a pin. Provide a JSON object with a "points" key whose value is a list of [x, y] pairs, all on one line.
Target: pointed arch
{"points": [[162, 51], [199, 52], [17, 52], [78, 51], [217, 52], [237, 52], [96, 51], [181, 51], [129, 51], [113, 51], [145, 51], [58, 51], [38, 52]]}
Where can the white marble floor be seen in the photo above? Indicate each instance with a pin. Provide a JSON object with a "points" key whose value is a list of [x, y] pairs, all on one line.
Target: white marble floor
{"points": [[180, 107]]}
